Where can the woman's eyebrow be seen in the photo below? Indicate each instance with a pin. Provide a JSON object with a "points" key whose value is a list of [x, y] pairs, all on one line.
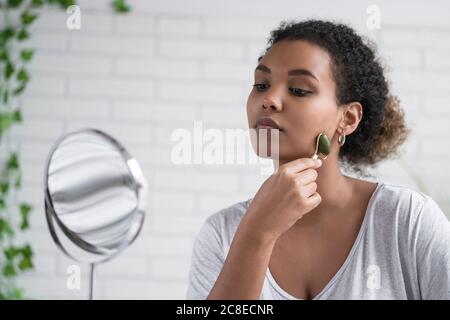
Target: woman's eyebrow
{"points": [[294, 72]]}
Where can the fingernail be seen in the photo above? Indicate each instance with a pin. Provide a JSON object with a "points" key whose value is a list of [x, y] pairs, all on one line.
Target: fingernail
{"points": [[318, 162]]}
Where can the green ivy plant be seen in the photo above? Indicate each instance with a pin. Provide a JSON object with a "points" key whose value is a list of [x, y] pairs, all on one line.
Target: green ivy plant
{"points": [[16, 17]]}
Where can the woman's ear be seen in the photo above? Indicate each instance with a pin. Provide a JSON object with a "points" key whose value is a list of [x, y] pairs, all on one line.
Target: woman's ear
{"points": [[351, 116]]}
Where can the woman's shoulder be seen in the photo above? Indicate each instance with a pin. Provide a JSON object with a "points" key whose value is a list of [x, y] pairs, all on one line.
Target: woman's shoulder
{"points": [[397, 193], [403, 203], [228, 218], [218, 229]]}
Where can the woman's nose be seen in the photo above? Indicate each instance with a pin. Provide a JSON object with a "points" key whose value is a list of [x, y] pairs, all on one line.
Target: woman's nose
{"points": [[272, 104]]}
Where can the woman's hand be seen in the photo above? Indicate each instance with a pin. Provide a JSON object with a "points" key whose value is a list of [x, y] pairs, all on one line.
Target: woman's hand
{"points": [[285, 197]]}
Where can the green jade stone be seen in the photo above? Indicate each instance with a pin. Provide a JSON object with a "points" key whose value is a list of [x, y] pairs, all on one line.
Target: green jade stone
{"points": [[324, 144]]}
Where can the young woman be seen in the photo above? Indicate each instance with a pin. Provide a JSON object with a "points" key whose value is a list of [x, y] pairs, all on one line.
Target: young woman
{"points": [[311, 232]]}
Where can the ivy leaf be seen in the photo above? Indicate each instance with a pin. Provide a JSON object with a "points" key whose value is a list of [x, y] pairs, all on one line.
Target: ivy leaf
{"points": [[25, 263], [17, 293], [4, 186], [22, 75], [25, 224], [18, 182], [37, 3], [9, 70], [19, 89], [8, 33], [66, 3], [26, 251], [11, 252], [5, 122], [5, 97], [26, 54], [27, 18], [9, 270], [5, 35], [13, 162], [25, 213], [4, 55], [14, 3], [23, 35], [5, 229], [63, 3], [16, 116], [121, 6]]}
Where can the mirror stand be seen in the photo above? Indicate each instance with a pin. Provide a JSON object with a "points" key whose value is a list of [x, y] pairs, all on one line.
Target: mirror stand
{"points": [[94, 196], [91, 280]]}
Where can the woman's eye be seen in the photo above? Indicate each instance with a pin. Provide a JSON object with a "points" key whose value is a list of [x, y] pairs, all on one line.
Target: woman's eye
{"points": [[296, 91], [259, 86], [299, 92]]}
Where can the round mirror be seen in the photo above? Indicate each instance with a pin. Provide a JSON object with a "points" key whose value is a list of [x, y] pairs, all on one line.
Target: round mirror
{"points": [[95, 197]]}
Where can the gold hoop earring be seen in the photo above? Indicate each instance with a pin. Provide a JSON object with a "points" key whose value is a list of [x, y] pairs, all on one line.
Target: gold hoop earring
{"points": [[341, 140]]}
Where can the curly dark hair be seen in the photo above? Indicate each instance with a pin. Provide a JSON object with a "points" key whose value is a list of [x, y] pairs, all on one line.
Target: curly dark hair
{"points": [[359, 76]]}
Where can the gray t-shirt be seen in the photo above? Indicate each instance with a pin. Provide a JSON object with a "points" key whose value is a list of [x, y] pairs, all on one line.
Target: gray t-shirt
{"points": [[402, 251]]}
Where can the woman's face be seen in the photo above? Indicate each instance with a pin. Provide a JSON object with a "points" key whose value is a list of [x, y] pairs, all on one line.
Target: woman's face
{"points": [[302, 102]]}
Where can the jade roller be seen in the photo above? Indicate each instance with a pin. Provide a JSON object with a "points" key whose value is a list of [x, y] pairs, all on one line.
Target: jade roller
{"points": [[323, 146]]}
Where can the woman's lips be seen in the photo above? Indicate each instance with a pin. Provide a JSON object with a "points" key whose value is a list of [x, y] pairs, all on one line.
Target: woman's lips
{"points": [[267, 123], [262, 126]]}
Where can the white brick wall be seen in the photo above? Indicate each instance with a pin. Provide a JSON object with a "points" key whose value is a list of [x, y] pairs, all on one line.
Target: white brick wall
{"points": [[168, 63]]}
